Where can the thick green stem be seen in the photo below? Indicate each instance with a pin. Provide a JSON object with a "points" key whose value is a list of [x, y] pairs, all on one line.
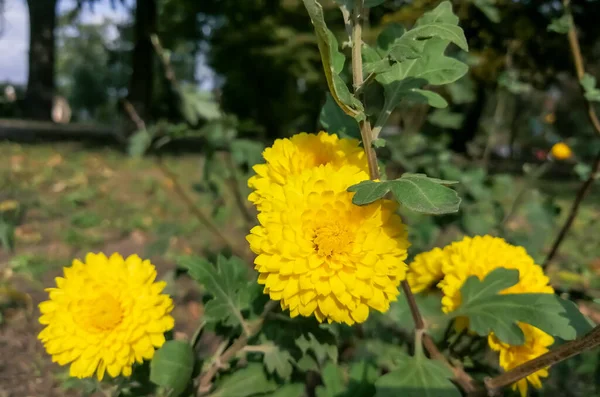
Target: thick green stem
{"points": [[357, 79]]}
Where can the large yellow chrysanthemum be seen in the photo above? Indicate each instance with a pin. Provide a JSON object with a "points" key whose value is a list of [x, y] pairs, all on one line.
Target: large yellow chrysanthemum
{"points": [[480, 255], [105, 315], [536, 344], [290, 157], [425, 270], [320, 254]]}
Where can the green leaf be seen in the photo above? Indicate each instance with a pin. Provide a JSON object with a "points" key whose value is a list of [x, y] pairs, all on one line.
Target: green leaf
{"points": [[362, 375], [289, 390], [335, 121], [433, 66], [196, 105], [416, 192], [490, 312], [433, 99], [245, 382], [330, 59], [441, 23], [172, 366], [277, 360], [227, 282], [139, 143], [373, 3], [489, 8], [333, 382], [390, 33], [322, 351], [246, 151], [7, 235], [378, 143], [560, 25], [446, 119], [417, 377], [588, 82], [372, 61]]}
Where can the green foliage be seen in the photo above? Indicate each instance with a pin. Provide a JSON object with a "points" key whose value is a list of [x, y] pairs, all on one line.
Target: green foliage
{"points": [[416, 192], [248, 381], [488, 7], [277, 360], [335, 121], [332, 62], [561, 25], [172, 366], [227, 282], [416, 377], [7, 235], [490, 312], [197, 105], [592, 93]]}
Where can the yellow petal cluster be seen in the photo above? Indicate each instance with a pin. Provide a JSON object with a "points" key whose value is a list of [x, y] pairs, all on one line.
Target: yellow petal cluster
{"points": [[448, 269], [319, 254], [302, 152], [105, 315]]}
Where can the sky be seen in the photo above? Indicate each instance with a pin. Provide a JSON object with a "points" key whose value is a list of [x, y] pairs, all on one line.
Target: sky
{"points": [[14, 40]]}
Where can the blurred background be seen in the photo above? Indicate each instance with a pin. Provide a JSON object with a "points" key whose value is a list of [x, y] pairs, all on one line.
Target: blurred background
{"points": [[118, 116]]}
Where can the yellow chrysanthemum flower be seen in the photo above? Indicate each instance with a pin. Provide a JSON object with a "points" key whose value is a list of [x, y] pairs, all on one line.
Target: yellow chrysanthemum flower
{"points": [[104, 315], [425, 270], [320, 254], [478, 256], [536, 344], [561, 151], [290, 157]]}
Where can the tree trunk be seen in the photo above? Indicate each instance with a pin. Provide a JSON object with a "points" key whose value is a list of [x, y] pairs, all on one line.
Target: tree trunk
{"points": [[142, 77], [40, 83]]}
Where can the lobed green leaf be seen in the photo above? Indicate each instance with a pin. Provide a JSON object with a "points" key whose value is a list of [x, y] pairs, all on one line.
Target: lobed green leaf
{"points": [[228, 284], [417, 377], [488, 311]]}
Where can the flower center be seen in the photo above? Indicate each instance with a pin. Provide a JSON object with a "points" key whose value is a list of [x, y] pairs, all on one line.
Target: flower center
{"points": [[332, 238], [101, 313]]}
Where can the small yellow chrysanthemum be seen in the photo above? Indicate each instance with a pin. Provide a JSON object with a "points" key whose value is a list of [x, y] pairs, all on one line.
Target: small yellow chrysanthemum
{"points": [[425, 270], [536, 344], [105, 315], [478, 256], [290, 157], [561, 151], [320, 254]]}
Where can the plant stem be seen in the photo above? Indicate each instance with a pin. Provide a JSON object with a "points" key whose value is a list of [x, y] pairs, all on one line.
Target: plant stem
{"points": [[581, 194], [563, 352], [193, 208], [205, 382], [461, 377], [357, 79], [234, 186], [585, 187]]}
